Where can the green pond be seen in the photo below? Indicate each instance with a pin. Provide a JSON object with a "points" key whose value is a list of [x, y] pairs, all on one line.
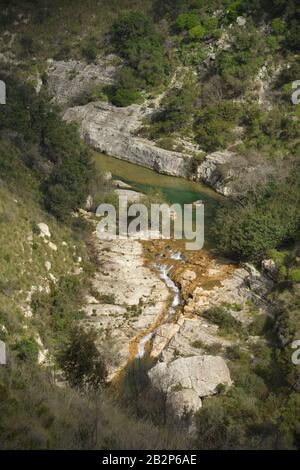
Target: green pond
{"points": [[172, 189]]}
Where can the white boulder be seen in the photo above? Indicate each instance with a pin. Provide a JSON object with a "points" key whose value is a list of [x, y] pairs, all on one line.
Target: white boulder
{"points": [[202, 374], [52, 246], [48, 265], [44, 230], [241, 21]]}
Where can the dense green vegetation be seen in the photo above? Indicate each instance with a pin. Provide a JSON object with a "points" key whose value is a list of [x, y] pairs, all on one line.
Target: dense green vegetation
{"points": [[50, 147], [137, 41], [261, 223]]}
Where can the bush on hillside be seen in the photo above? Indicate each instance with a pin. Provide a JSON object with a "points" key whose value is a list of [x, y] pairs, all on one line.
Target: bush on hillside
{"points": [[81, 361]]}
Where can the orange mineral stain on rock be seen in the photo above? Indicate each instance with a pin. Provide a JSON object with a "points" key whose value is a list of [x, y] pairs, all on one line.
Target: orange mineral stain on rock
{"points": [[193, 270]]}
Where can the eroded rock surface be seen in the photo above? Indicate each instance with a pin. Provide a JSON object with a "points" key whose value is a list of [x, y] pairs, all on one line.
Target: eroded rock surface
{"points": [[127, 299], [201, 374], [215, 170], [67, 80], [112, 130], [216, 284]]}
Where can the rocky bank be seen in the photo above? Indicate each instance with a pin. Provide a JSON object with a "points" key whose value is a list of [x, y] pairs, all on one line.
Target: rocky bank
{"points": [[115, 131], [130, 304], [127, 298]]}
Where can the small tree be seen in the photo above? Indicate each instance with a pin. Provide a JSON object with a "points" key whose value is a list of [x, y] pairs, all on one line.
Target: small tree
{"points": [[196, 33], [81, 362]]}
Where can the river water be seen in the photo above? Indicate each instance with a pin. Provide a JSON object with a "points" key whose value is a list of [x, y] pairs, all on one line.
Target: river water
{"points": [[163, 272], [172, 190]]}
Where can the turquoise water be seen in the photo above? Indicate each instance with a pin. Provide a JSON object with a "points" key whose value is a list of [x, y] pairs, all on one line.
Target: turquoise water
{"points": [[173, 190]]}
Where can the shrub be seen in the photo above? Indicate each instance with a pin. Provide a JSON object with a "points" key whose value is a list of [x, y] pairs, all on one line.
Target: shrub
{"points": [[129, 25], [214, 124], [27, 350], [234, 10], [60, 161], [196, 33], [242, 62], [124, 97], [66, 188], [280, 257], [177, 109], [89, 52], [59, 309], [81, 361], [260, 225], [221, 317], [273, 43], [258, 326], [187, 21], [293, 36], [28, 44], [295, 275], [210, 24], [278, 26]]}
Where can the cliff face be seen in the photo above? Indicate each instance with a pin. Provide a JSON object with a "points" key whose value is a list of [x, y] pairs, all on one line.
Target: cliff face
{"points": [[216, 172], [111, 130], [114, 130], [67, 80]]}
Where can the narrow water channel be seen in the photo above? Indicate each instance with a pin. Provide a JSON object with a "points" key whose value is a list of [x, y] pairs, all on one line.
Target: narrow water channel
{"points": [[172, 190], [164, 275]]}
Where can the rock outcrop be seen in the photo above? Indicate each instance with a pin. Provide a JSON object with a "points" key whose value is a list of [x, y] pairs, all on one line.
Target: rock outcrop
{"points": [[187, 337], [68, 80], [205, 282], [126, 300], [115, 130], [201, 374], [112, 130], [216, 172]]}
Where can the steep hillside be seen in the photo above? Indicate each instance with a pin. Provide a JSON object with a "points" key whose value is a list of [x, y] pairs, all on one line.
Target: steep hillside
{"points": [[47, 264], [192, 88]]}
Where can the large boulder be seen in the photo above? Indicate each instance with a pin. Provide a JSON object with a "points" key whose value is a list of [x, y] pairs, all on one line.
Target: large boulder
{"points": [[202, 374]]}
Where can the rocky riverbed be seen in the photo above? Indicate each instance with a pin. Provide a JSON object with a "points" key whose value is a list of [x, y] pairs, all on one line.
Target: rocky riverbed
{"points": [[147, 298], [126, 300]]}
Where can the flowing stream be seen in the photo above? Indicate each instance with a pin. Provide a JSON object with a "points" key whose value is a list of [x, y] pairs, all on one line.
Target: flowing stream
{"points": [[164, 275], [172, 190]]}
